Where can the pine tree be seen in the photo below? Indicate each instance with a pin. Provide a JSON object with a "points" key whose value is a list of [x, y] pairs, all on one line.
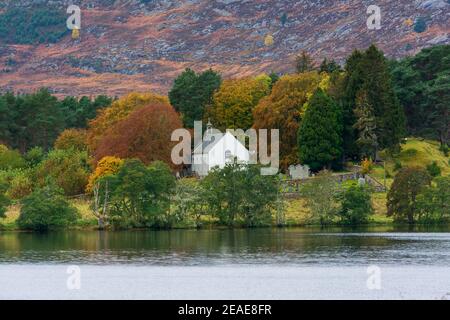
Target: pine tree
{"points": [[191, 93], [329, 66], [369, 71], [352, 84], [365, 124], [320, 133], [304, 63], [390, 117]]}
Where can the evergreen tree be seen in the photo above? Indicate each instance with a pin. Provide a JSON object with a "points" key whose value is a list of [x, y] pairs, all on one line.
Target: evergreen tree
{"points": [[192, 92], [369, 71], [389, 115], [352, 84], [329, 66], [439, 115], [304, 63], [365, 124], [421, 93], [320, 133]]}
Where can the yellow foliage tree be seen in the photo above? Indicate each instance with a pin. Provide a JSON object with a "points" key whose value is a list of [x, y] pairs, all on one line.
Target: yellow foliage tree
{"points": [[72, 139], [283, 110], [366, 166], [106, 166], [119, 110], [235, 100]]}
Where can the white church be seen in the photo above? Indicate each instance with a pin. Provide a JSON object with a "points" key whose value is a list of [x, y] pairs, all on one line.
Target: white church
{"points": [[216, 150]]}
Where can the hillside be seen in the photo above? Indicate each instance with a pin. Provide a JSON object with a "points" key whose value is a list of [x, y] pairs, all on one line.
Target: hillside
{"points": [[415, 152], [141, 45]]}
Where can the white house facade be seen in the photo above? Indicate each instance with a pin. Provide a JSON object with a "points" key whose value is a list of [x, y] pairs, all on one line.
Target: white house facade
{"points": [[216, 150]]}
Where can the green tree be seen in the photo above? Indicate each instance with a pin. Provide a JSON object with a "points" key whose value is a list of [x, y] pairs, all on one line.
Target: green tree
{"points": [[422, 85], [356, 205], [192, 92], [402, 197], [4, 201], [329, 66], [434, 202], [365, 124], [439, 111], [240, 193], [320, 194], [46, 209], [320, 133], [140, 195], [369, 71]]}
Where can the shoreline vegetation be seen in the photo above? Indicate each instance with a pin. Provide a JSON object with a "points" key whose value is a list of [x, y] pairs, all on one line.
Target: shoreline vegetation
{"points": [[388, 118]]}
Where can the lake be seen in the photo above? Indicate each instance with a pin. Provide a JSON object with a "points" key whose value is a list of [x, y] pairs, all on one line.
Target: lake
{"points": [[294, 263]]}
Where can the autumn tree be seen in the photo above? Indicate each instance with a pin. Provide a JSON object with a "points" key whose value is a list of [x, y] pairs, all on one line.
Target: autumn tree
{"points": [[283, 109], [192, 92], [118, 110], [235, 100], [320, 133], [144, 134], [69, 169], [72, 139], [99, 185]]}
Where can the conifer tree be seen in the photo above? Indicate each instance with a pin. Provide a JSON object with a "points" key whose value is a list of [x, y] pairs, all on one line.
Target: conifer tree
{"points": [[320, 133], [365, 124]]}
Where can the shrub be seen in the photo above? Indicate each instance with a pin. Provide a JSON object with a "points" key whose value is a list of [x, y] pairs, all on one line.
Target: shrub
{"points": [[20, 184], [4, 201], [34, 156], [397, 165], [46, 209], [356, 205], [445, 150], [433, 169], [367, 166], [10, 159]]}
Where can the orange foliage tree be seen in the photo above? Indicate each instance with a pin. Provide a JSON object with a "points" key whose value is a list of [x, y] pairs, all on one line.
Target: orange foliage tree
{"points": [[145, 134], [284, 108], [106, 166], [235, 100], [119, 110]]}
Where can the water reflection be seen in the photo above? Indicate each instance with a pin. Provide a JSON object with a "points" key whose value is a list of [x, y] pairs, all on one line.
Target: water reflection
{"points": [[297, 246]]}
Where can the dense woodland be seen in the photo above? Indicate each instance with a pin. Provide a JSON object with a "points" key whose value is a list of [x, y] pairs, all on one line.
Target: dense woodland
{"points": [[118, 150]]}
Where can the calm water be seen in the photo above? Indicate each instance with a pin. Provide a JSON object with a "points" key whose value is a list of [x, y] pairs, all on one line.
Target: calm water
{"points": [[334, 247], [242, 264]]}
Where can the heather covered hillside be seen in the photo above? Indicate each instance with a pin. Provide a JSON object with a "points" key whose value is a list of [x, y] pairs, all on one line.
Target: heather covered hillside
{"points": [[143, 45]]}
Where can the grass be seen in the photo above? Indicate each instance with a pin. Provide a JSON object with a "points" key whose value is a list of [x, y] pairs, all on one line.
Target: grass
{"points": [[415, 152]]}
